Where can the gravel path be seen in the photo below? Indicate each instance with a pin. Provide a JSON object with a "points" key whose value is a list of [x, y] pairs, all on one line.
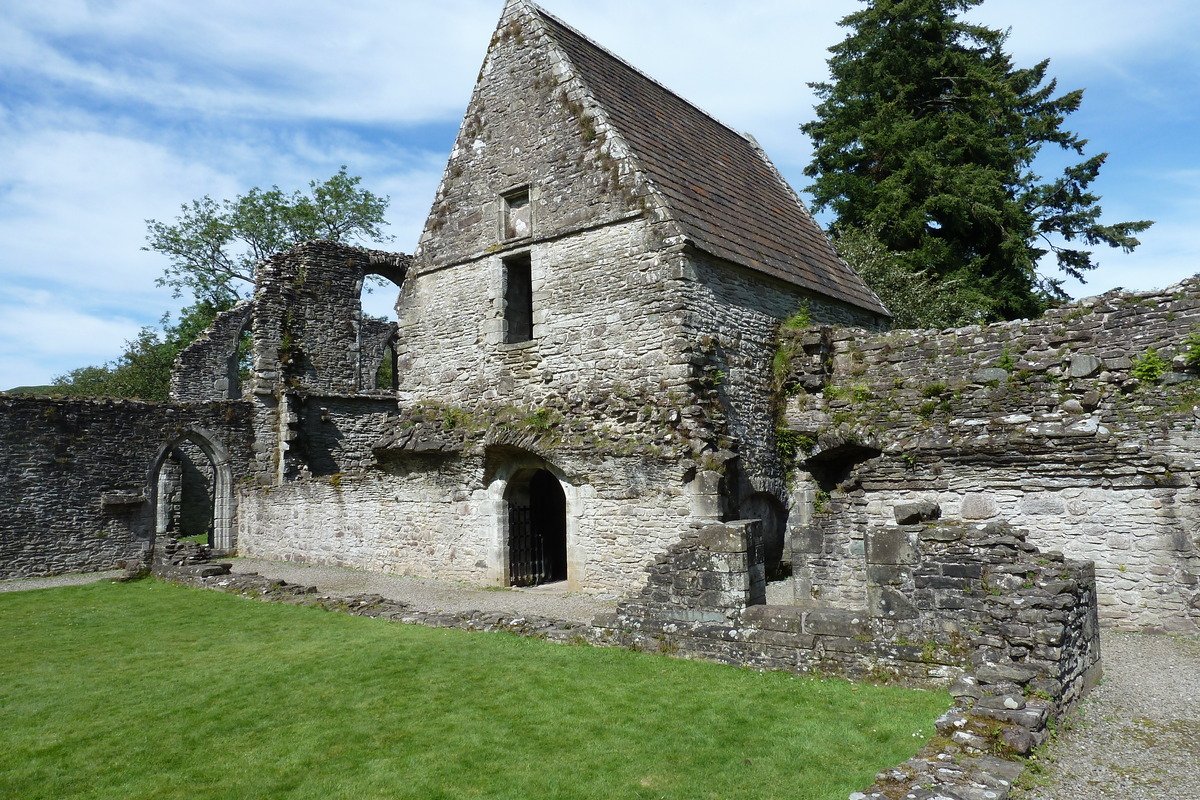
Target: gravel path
{"points": [[1137, 736], [70, 579], [428, 594]]}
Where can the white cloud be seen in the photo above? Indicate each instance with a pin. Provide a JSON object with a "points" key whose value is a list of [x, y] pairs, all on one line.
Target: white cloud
{"points": [[42, 337], [112, 111], [365, 61], [79, 197], [1091, 31]]}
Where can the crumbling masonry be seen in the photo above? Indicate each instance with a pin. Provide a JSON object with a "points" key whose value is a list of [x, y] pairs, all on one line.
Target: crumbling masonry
{"points": [[588, 382]]}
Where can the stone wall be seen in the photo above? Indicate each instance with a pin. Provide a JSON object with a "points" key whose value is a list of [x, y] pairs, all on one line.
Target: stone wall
{"points": [[733, 317], [1080, 427], [308, 327], [1011, 631], [603, 320], [946, 601], [207, 369], [429, 512], [530, 124], [78, 478], [338, 433]]}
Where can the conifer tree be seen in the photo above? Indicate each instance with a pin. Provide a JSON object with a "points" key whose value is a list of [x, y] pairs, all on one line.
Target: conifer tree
{"points": [[926, 137]]}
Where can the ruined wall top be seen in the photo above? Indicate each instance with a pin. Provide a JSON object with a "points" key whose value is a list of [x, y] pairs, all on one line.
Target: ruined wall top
{"points": [[307, 327]]}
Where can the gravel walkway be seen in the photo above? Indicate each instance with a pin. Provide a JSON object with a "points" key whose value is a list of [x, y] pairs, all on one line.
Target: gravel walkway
{"points": [[1137, 736], [428, 594], [70, 579]]}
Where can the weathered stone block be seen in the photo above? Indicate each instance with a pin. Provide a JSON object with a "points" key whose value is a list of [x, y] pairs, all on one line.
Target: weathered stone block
{"points": [[729, 537], [962, 570], [941, 534], [1004, 673], [914, 513], [836, 622], [989, 375], [888, 574], [808, 539], [889, 603], [890, 546], [978, 505], [1084, 366]]}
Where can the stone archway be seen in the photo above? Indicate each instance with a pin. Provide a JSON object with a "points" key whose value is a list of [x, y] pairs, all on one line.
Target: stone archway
{"points": [[525, 489], [215, 466]]}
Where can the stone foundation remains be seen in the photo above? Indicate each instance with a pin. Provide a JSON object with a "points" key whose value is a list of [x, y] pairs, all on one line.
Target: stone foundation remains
{"points": [[1080, 427]]}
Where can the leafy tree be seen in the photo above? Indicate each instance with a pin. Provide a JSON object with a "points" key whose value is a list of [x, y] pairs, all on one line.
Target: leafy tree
{"points": [[916, 299], [926, 137], [215, 247]]}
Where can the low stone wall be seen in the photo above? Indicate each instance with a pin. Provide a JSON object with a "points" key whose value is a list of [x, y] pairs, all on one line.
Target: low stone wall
{"points": [[207, 369], [1011, 631], [955, 599]]}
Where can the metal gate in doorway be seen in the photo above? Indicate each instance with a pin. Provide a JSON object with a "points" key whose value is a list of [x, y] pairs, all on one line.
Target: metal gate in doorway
{"points": [[528, 565]]}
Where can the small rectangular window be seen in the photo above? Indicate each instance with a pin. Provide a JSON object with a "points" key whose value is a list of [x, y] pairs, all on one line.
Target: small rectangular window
{"points": [[518, 299], [518, 214]]}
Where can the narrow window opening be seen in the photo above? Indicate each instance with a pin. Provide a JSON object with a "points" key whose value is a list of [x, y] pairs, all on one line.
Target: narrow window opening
{"points": [[385, 376], [240, 365], [518, 299], [518, 214]]}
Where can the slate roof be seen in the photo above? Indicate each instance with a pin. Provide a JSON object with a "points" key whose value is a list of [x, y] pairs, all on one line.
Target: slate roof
{"points": [[726, 195]]}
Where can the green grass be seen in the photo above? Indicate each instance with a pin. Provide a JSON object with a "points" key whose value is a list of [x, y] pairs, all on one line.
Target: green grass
{"points": [[148, 690]]}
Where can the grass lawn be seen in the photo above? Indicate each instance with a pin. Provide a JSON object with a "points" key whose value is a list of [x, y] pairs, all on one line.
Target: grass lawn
{"points": [[148, 690]]}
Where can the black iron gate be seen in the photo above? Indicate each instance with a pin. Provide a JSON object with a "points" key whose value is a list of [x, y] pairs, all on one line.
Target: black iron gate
{"points": [[526, 549]]}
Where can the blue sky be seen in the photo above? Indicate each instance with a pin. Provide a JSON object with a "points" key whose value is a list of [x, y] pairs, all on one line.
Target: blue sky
{"points": [[115, 111]]}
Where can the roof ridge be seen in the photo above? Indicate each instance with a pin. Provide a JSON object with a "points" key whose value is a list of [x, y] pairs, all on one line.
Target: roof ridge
{"points": [[627, 150], [641, 73]]}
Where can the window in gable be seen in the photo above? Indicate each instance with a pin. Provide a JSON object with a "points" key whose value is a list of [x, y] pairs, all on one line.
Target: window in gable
{"points": [[517, 214]]}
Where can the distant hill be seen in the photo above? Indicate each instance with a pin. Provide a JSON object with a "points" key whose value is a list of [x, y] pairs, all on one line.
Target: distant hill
{"points": [[35, 390]]}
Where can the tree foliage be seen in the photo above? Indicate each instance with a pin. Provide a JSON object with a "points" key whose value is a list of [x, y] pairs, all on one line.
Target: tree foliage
{"points": [[916, 299], [926, 137], [215, 247]]}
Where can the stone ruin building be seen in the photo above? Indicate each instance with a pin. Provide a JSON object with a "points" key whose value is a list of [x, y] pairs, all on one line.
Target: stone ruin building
{"points": [[588, 382]]}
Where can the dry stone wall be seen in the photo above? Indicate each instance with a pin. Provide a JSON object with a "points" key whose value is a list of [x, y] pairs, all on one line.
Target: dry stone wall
{"points": [[1080, 427], [207, 369], [340, 432], [308, 328], [1011, 631]]}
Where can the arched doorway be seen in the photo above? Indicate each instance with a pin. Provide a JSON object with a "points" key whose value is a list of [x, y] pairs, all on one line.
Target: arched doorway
{"points": [[186, 485], [191, 481], [537, 528]]}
